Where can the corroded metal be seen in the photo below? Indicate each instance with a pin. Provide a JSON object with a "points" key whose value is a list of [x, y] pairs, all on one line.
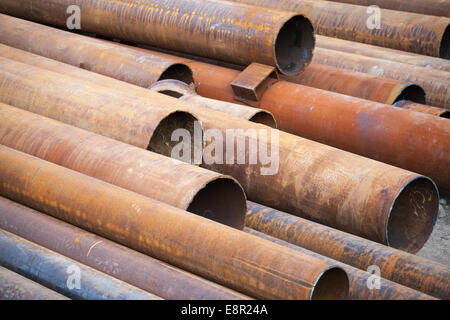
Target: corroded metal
{"points": [[187, 93], [60, 273], [176, 183], [428, 35], [218, 29], [109, 257], [382, 53], [410, 105], [214, 251], [358, 84], [91, 54], [361, 284], [15, 287], [407, 269], [436, 83]]}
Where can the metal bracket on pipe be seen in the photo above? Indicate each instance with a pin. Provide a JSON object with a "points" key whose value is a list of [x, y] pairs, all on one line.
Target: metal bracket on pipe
{"points": [[252, 82]]}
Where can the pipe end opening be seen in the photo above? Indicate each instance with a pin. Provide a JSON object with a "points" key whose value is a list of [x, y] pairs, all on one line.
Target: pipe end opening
{"points": [[444, 51], [412, 92], [264, 118], [178, 71], [332, 284]]}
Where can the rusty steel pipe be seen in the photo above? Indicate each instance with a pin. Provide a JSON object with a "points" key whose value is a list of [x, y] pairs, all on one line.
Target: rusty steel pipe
{"points": [[92, 54], [53, 271], [219, 29], [209, 249], [410, 105], [439, 8], [106, 256], [410, 270], [360, 286], [382, 53], [358, 84], [182, 91], [203, 192], [15, 287], [428, 35], [436, 83]]}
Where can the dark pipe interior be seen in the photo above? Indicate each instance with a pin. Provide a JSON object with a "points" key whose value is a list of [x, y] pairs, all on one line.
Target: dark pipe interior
{"points": [[444, 51], [179, 72], [264, 118], [412, 92], [332, 285]]}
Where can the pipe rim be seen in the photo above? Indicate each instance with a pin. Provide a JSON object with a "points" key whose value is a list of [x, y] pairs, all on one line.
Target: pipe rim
{"points": [[331, 284], [265, 118], [444, 50], [178, 71], [410, 92]]}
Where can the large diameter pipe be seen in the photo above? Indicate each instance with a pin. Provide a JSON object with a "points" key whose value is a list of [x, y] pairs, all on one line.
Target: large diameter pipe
{"points": [[428, 35], [218, 29], [209, 249], [64, 275], [176, 183], [410, 105], [361, 283], [15, 287], [436, 83], [358, 84], [407, 269], [298, 159], [106, 256], [382, 53]]}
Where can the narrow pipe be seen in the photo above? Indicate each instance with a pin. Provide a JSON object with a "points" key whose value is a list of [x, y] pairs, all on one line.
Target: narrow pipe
{"points": [[410, 105], [407, 269], [62, 274], [130, 266]]}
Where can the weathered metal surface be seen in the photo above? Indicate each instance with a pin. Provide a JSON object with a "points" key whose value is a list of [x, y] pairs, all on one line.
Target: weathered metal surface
{"points": [[176, 183], [410, 105], [358, 84], [361, 283], [382, 53], [130, 266], [436, 83], [409, 270], [222, 30], [428, 35], [91, 54], [15, 287], [439, 8], [214, 251], [187, 93], [60, 273]]}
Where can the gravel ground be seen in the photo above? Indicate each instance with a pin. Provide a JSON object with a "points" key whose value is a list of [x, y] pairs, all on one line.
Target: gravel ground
{"points": [[437, 247]]}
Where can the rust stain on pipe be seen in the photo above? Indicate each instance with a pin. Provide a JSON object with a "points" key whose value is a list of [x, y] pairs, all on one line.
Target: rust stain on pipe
{"points": [[428, 35], [410, 105], [106, 256], [203, 192], [222, 30], [219, 253], [407, 269], [358, 84], [360, 286]]}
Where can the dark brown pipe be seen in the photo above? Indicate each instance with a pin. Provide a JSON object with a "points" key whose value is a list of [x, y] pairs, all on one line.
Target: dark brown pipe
{"points": [[222, 30], [428, 35], [410, 105], [409, 270], [106, 256], [219, 253]]}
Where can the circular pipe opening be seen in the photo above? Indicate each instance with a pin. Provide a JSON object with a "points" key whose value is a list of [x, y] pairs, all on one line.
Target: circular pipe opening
{"points": [[445, 114], [444, 51], [294, 45], [179, 72], [222, 200], [264, 118], [413, 215], [161, 140], [412, 92], [332, 284]]}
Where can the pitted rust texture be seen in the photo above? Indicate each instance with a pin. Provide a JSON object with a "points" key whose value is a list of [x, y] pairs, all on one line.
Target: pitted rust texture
{"points": [[407, 269], [428, 35], [358, 84], [436, 83], [382, 53], [410, 105], [214, 251], [109, 257], [15, 287], [359, 281], [91, 54], [218, 29], [167, 180]]}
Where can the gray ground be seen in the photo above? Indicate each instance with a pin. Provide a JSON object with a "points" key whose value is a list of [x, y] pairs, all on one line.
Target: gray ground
{"points": [[437, 247]]}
